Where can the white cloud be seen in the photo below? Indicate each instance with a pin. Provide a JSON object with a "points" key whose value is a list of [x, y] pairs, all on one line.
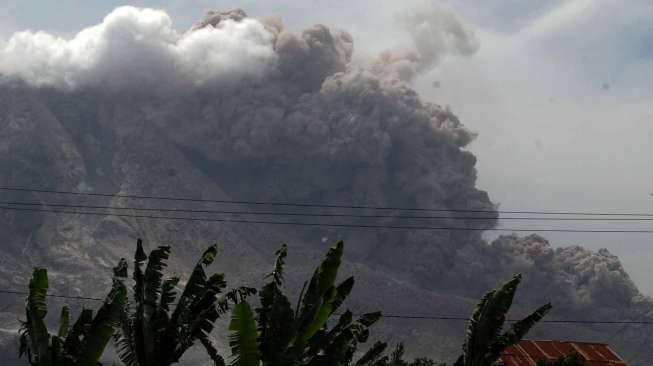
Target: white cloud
{"points": [[133, 46]]}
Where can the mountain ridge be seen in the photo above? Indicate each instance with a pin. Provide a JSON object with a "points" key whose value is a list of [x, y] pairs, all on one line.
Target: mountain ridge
{"points": [[318, 128]]}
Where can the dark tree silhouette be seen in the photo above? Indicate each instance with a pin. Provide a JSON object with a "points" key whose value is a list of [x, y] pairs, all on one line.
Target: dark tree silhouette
{"points": [[282, 336], [151, 332], [484, 341], [79, 345]]}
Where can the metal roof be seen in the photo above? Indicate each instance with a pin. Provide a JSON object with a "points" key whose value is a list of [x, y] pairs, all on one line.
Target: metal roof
{"points": [[528, 353]]}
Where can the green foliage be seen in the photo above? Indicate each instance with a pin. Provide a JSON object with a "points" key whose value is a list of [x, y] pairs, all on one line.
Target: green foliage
{"points": [[573, 359], [244, 336], [160, 324], [301, 336], [64, 322], [35, 338], [485, 342], [81, 345], [151, 332]]}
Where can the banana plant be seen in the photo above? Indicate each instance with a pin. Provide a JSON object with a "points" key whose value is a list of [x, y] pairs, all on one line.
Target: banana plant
{"points": [[79, 345], [484, 341], [282, 336], [244, 337], [151, 332]]}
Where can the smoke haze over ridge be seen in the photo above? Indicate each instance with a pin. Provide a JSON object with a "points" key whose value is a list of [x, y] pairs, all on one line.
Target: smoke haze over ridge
{"points": [[303, 102], [271, 114]]}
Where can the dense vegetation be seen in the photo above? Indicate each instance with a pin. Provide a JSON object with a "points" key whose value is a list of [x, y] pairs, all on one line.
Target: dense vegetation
{"points": [[159, 324], [151, 333], [79, 345], [281, 336], [484, 342]]}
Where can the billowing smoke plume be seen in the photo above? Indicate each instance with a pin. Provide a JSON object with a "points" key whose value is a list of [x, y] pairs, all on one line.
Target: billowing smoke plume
{"points": [[436, 32], [306, 125], [133, 46], [570, 277]]}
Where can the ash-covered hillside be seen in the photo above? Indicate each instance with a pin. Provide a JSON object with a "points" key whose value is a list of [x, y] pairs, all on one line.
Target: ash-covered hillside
{"points": [[238, 108]]}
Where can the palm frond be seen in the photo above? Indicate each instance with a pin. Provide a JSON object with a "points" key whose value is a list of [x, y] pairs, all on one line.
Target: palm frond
{"points": [[322, 340], [274, 317], [212, 352], [398, 354], [139, 283], [204, 316], [487, 321], [147, 295], [342, 291], [321, 315], [153, 278], [121, 270], [194, 289], [38, 292], [324, 276], [64, 322], [372, 354], [103, 325], [338, 345], [518, 331], [38, 337], [239, 294], [368, 319], [300, 298], [244, 336], [168, 293], [124, 339], [277, 272], [196, 310], [79, 330], [319, 296], [484, 342], [209, 308]]}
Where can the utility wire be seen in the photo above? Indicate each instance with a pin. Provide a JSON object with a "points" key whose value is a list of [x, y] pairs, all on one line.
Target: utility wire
{"points": [[392, 316], [11, 292], [317, 205], [398, 316], [300, 214], [564, 321], [319, 224]]}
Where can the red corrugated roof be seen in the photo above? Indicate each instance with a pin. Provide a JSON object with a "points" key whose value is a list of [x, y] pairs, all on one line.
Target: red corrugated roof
{"points": [[528, 353]]}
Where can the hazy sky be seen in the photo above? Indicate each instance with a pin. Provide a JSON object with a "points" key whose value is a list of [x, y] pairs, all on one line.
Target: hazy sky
{"points": [[559, 92]]}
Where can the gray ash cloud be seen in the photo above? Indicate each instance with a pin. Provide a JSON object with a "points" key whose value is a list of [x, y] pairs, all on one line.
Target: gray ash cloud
{"points": [[267, 114], [573, 277]]}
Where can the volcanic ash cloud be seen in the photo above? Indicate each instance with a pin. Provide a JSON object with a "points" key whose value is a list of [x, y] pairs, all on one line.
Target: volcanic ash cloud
{"points": [[275, 115], [132, 46]]}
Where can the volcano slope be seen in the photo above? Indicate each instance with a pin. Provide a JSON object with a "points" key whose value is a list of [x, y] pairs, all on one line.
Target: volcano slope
{"points": [[242, 109]]}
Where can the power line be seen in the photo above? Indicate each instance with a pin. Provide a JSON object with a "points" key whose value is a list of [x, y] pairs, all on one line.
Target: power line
{"points": [[318, 205], [319, 224], [11, 292], [396, 316], [261, 213], [564, 321], [308, 214]]}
